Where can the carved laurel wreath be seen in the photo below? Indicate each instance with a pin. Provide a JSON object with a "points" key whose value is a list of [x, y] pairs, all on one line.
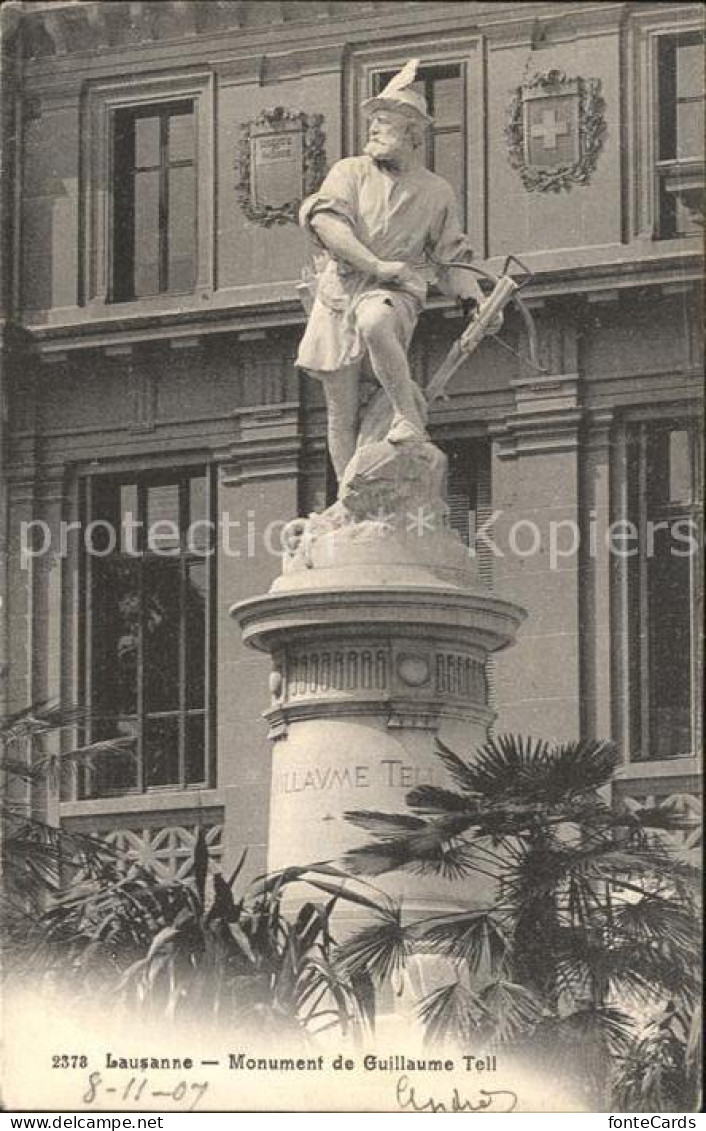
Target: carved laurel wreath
{"points": [[592, 131], [313, 162]]}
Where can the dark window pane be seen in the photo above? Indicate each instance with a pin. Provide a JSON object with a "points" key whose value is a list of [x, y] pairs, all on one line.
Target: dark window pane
{"points": [[154, 233], [670, 650], [658, 468], [114, 771], [195, 613], [448, 161], [116, 635], [182, 227], [105, 514], [162, 751], [200, 535], [181, 137], [162, 616], [661, 592], [148, 619], [667, 99], [196, 749], [447, 102], [461, 489], [146, 143], [146, 246]]}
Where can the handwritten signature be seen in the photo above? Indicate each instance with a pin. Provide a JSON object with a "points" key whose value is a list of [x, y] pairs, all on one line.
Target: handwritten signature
{"points": [[495, 1100]]}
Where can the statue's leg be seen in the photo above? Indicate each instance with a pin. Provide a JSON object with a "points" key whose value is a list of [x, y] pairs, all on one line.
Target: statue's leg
{"points": [[341, 392], [380, 326]]}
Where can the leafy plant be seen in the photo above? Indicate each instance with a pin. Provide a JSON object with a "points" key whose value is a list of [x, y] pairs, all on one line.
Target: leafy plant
{"points": [[38, 857], [584, 950], [82, 917], [162, 948]]}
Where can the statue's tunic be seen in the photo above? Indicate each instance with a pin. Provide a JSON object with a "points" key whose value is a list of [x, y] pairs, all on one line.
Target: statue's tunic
{"points": [[408, 216]]}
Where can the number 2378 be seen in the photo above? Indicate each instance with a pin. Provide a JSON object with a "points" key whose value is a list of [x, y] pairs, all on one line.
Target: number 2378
{"points": [[69, 1060]]}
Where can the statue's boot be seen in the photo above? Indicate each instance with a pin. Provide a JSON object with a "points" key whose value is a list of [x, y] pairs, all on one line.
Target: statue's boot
{"points": [[403, 430]]}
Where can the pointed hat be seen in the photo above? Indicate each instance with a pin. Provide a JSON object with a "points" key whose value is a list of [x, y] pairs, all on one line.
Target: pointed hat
{"points": [[397, 96]]}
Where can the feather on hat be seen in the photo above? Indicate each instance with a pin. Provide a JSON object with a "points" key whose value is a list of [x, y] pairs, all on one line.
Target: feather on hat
{"points": [[398, 97]]}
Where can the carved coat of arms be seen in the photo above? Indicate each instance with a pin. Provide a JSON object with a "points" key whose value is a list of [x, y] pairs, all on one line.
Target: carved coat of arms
{"points": [[556, 130], [282, 159]]}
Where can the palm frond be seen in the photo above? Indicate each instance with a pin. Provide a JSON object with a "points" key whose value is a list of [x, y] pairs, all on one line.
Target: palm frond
{"points": [[383, 825], [459, 771], [432, 799], [510, 766], [381, 949], [474, 937], [51, 765], [452, 1013], [655, 919], [455, 860], [514, 1010], [40, 718], [432, 848], [654, 1073], [590, 1025]]}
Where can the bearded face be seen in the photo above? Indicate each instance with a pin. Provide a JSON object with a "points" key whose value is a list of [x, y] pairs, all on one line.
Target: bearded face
{"points": [[389, 138]]}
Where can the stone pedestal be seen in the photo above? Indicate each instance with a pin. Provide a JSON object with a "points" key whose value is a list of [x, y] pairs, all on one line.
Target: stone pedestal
{"points": [[378, 631]]}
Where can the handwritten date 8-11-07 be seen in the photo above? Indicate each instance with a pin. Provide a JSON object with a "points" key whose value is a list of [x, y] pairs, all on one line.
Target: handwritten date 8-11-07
{"points": [[140, 1089]]}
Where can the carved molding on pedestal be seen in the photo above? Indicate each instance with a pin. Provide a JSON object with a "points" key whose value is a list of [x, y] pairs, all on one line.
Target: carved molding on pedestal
{"points": [[414, 669], [341, 669]]}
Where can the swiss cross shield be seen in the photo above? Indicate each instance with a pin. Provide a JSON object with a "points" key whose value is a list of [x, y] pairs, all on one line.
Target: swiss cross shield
{"points": [[556, 130], [551, 125]]}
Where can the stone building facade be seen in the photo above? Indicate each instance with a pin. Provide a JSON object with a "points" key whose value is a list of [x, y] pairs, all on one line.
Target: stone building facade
{"points": [[151, 155]]}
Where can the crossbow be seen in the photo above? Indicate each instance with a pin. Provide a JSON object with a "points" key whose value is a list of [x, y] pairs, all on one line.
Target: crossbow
{"points": [[505, 289]]}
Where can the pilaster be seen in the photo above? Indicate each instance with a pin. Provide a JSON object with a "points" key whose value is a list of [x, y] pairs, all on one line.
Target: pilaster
{"points": [[257, 495], [595, 577], [535, 536]]}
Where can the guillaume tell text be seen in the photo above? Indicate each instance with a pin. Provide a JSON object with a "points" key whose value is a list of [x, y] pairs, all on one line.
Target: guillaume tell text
{"points": [[388, 772]]}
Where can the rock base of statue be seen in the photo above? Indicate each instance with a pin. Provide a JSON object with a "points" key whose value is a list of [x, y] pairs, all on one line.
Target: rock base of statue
{"points": [[379, 632]]}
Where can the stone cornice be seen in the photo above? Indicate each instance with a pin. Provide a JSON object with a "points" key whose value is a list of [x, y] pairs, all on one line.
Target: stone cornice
{"points": [[58, 33], [54, 31], [547, 25], [200, 800], [475, 617], [538, 433], [265, 68], [547, 417], [620, 269], [268, 445]]}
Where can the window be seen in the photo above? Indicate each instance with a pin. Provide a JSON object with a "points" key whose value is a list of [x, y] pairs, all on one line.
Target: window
{"points": [[467, 484], [443, 88], [155, 202], [664, 581], [148, 200], [680, 164], [147, 629], [452, 78]]}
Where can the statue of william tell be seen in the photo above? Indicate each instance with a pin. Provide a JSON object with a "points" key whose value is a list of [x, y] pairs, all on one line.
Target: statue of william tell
{"points": [[389, 227]]}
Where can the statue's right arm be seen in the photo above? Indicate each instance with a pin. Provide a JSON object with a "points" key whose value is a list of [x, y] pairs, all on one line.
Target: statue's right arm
{"points": [[341, 242]]}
